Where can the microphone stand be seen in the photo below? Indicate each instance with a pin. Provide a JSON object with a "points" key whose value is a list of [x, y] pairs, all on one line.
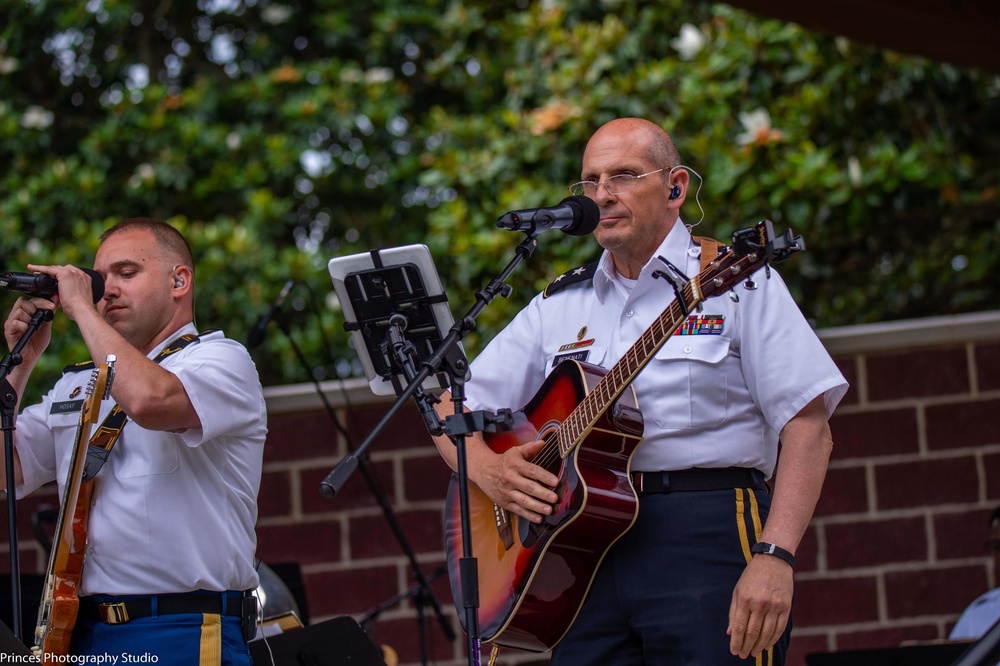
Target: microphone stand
{"points": [[8, 403], [449, 353], [424, 594]]}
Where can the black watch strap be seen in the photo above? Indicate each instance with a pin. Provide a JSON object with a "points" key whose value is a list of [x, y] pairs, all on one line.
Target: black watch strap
{"points": [[771, 549]]}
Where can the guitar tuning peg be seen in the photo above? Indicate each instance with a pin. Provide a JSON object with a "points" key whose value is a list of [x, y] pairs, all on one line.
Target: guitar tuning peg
{"points": [[734, 297], [750, 285]]}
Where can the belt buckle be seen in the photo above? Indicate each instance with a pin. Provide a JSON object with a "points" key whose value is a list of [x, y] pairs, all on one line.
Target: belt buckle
{"points": [[113, 613]]}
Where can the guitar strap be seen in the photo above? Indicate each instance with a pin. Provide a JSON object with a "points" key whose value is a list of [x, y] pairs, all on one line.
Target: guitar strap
{"points": [[710, 249], [110, 430]]}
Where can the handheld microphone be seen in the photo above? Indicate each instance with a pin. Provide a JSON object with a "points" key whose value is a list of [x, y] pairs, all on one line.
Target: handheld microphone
{"points": [[256, 335], [576, 216], [46, 286]]}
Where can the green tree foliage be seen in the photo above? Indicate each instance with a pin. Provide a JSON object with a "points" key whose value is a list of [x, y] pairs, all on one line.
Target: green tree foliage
{"points": [[277, 135]]}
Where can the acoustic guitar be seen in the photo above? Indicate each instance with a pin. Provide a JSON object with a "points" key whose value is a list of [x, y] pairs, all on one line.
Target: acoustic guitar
{"points": [[533, 578], [60, 602]]}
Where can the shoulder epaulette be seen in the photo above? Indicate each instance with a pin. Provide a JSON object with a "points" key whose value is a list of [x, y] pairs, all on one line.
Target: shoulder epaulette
{"points": [[579, 275], [79, 367]]}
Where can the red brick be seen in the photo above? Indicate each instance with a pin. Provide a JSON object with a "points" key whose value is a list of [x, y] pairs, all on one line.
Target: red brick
{"points": [[355, 493], [371, 536], [926, 483], [870, 543], [804, 645], [806, 553], [917, 374], [961, 534], [845, 490], [835, 601], [305, 543], [350, 592], [988, 366], [275, 497], [884, 638], [933, 591], [849, 368], [301, 436], [961, 425], [992, 464], [866, 434], [426, 478], [406, 430]]}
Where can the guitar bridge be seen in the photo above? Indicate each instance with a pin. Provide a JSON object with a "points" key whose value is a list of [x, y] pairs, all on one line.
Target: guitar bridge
{"points": [[506, 533]]}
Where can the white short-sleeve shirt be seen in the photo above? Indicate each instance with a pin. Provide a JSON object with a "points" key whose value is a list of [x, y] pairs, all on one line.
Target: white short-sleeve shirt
{"points": [[717, 395], [172, 512]]}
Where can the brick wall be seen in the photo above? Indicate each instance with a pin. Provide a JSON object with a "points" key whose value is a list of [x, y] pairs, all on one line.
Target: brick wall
{"points": [[893, 554]]}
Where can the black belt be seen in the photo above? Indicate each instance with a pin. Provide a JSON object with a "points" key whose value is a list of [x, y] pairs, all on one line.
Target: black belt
{"points": [[133, 608], [687, 480]]}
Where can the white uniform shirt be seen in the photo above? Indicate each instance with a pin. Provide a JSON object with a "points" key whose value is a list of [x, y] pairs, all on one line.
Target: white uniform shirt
{"points": [[173, 512], [978, 617], [718, 398]]}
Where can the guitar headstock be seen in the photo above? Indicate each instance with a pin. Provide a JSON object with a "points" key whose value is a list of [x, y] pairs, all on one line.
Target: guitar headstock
{"points": [[99, 388], [752, 249]]}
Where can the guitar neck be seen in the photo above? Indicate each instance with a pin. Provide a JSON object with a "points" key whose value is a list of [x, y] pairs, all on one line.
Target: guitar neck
{"points": [[610, 387]]}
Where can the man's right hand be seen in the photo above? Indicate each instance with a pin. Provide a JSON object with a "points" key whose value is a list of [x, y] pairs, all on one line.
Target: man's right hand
{"points": [[514, 483]]}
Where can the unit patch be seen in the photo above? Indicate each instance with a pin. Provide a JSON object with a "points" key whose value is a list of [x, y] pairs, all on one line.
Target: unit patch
{"points": [[702, 324]]}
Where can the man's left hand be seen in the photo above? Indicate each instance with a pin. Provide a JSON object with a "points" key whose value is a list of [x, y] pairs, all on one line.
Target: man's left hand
{"points": [[75, 290], [762, 603]]}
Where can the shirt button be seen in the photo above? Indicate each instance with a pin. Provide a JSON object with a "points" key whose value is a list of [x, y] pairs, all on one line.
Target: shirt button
{"points": [[629, 313], [687, 350]]}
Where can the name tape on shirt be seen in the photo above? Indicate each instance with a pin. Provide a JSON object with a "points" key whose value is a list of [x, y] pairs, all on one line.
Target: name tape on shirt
{"points": [[702, 324], [66, 406], [572, 356]]}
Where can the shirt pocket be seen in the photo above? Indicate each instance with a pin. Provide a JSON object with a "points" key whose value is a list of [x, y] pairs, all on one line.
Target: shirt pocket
{"points": [[689, 383], [150, 454]]}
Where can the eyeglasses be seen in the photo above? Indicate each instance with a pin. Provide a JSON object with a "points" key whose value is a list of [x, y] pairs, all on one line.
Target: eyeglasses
{"points": [[620, 184]]}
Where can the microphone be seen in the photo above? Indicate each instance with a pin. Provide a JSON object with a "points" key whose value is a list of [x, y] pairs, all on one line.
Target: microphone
{"points": [[46, 286], [576, 216], [256, 335]]}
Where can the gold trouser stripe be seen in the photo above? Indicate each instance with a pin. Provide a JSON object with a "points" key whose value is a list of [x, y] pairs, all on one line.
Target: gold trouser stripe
{"points": [[211, 640], [741, 525], [745, 543]]}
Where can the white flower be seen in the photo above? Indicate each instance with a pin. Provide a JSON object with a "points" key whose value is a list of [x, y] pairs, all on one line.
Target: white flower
{"points": [[757, 128], [7, 65], [854, 171], [275, 14], [35, 117], [378, 75], [233, 141], [690, 41]]}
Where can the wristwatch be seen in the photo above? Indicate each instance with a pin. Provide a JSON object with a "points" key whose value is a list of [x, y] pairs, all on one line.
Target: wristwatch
{"points": [[771, 549]]}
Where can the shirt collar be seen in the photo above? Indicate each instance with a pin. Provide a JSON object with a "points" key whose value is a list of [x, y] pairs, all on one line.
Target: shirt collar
{"points": [[675, 248], [183, 330]]}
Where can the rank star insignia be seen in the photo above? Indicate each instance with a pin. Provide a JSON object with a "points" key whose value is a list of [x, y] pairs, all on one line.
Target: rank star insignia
{"points": [[559, 278], [583, 332], [75, 392], [581, 269]]}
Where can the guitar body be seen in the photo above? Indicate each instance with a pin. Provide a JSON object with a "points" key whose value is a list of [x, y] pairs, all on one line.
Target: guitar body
{"points": [[534, 578], [61, 610]]}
